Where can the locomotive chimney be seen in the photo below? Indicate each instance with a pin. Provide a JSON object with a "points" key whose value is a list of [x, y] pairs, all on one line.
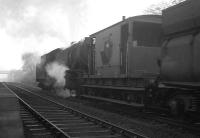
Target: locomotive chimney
{"points": [[123, 18]]}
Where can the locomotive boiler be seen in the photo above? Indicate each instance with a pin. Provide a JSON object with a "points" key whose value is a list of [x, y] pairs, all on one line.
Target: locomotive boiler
{"points": [[179, 88]]}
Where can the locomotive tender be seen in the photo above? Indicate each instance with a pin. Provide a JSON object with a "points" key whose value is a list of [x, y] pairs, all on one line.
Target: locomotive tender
{"points": [[145, 61]]}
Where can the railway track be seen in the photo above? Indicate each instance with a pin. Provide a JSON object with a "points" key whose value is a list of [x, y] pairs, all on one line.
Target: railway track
{"points": [[49, 118], [32, 126], [185, 124]]}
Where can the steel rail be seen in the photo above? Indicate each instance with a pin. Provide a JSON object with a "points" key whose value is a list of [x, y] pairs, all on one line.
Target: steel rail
{"points": [[96, 120], [44, 121]]}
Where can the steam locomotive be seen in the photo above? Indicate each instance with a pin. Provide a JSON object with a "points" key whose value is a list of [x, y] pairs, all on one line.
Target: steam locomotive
{"points": [[146, 61]]}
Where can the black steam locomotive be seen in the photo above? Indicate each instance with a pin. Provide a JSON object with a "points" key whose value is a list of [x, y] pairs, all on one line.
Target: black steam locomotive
{"points": [[147, 61]]}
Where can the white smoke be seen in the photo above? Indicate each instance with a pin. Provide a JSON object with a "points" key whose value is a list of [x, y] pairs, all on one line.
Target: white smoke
{"points": [[37, 26], [57, 71], [63, 93], [28, 72]]}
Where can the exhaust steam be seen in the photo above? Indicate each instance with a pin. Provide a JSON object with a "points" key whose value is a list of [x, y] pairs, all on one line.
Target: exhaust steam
{"points": [[57, 71]]}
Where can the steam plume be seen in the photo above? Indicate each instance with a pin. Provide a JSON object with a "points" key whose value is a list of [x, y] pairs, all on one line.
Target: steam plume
{"points": [[57, 71]]}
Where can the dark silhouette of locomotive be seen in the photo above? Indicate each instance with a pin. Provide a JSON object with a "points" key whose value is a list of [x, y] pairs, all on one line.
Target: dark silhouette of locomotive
{"points": [[146, 61]]}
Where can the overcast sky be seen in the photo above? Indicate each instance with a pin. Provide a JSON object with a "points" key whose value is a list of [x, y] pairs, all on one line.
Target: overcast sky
{"points": [[43, 25]]}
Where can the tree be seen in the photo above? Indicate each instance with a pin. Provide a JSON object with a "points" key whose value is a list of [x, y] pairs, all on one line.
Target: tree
{"points": [[157, 8], [29, 67], [30, 60]]}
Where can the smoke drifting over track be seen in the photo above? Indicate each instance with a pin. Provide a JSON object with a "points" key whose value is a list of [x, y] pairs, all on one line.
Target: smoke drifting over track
{"points": [[28, 72]]}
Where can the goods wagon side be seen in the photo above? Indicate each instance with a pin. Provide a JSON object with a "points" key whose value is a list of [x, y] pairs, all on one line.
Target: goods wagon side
{"points": [[123, 58]]}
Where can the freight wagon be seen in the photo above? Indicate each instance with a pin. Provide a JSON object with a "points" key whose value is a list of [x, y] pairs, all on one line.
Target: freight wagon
{"points": [[123, 59]]}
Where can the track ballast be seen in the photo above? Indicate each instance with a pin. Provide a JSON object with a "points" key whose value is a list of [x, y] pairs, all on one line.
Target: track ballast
{"points": [[62, 121]]}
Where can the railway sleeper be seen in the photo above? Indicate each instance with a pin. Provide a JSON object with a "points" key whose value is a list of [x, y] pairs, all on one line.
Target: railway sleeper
{"points": [[39, 130], [91, 133], [45, 107], [57, 116], [35, 126], [52, 111], [63, 118], [42, 135], [108, 136], [97, 133], [74, 126], [69, 121], [82, 129]]}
